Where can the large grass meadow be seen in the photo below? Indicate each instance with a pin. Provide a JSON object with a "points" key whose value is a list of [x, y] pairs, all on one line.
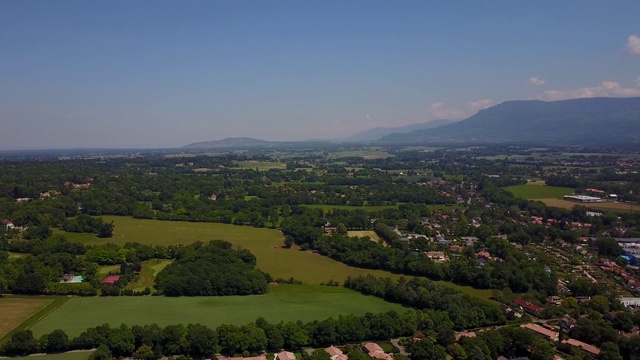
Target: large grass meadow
{"points": [[282, 303], [265, 244], [538, 191], [72, 355]]}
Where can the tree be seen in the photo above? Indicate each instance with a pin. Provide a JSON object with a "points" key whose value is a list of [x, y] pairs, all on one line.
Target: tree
{"points": [[22, 342], [101, 353], [201, 341], [320, 354], [56, 341], [426, 349], [145, 352], [610, 351]]}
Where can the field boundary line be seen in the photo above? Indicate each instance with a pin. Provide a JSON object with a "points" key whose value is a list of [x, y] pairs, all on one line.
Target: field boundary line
{"points": [[33, 319]]}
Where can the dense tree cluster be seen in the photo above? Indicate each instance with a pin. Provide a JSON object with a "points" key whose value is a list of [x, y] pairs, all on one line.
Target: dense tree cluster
{"points": [[516, 271], [199, 341], [86, 224], [212, 269], [464, 311]]}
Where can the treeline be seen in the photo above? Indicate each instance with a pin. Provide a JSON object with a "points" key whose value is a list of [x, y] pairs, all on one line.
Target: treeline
{"points": [[515, 271], [212, 269], [464, 311], [86, 224], [153, 341]]}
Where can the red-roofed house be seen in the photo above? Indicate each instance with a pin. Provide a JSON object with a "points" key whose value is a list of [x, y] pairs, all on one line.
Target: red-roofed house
{"points": [[111, 279], [528, 306], [375, 351], [584, 346], [551, 335], [285, 355], [335, 353]]}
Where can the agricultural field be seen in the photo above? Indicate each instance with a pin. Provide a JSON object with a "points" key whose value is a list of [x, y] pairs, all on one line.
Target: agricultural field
{"points": [[72, 355], [282, 303], [265, 244], [16, 310], [261, 165], [147, 277], [613, 205], [538, 191], [365, 154]]}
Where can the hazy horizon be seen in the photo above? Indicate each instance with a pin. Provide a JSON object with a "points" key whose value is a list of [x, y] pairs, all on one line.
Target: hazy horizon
{"points": [[121, 74]]}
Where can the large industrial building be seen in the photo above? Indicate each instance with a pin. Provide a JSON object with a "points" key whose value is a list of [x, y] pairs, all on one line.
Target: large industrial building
{"points": [[583, 198]]}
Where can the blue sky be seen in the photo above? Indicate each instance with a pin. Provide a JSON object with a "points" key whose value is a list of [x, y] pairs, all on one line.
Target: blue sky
{"points": [[168, 73]]}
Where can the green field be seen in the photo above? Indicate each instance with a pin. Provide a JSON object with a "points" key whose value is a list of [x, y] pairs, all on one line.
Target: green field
{"points": [[282, 303], [74, 355], [20, 312], [366, 154], [261, 165], [538, 191], [147, 276]]}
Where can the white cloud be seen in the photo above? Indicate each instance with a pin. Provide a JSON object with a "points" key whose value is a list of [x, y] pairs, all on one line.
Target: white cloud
{"points": [[633, 44], [478, 105], [439, 111], [534, 80], [606, 89]]}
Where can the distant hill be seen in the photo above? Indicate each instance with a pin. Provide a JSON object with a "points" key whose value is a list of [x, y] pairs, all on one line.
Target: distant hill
{"points": [[570, 122], [251, 143], [377, 133]]}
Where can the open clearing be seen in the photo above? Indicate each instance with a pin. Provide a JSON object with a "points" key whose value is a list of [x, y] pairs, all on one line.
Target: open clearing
{"points": [[282, 303], [147, 277], [538, 191], [16, 310], [613, 205], [365, 154], [265, 244], [370, 233]]}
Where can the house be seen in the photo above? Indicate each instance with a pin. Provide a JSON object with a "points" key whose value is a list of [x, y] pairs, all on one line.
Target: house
{"points": [[630, 301], [375, 351], [583, 346], [528, 306], [71, 279], [8, 224], [549, 334], [437, 256], [330, 230], [213, 197], [555, 300], [335, 353], [261, 357], [284, 355], [469, 334], [111, 279]]}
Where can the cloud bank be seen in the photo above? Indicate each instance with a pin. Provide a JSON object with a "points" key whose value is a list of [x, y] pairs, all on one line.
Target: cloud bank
{"points": [[606, 89], [534, 80], [633, 44]]}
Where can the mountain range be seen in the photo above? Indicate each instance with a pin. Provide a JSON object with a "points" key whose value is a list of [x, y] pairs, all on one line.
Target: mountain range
{"points": [[567, 122], [378, 132], [588, 121]]}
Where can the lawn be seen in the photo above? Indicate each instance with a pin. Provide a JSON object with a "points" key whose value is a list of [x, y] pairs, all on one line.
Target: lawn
{"points": [[147, 276], [282, 303], [105, 270], [265, 244], [73, 355], [539, 191]]}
